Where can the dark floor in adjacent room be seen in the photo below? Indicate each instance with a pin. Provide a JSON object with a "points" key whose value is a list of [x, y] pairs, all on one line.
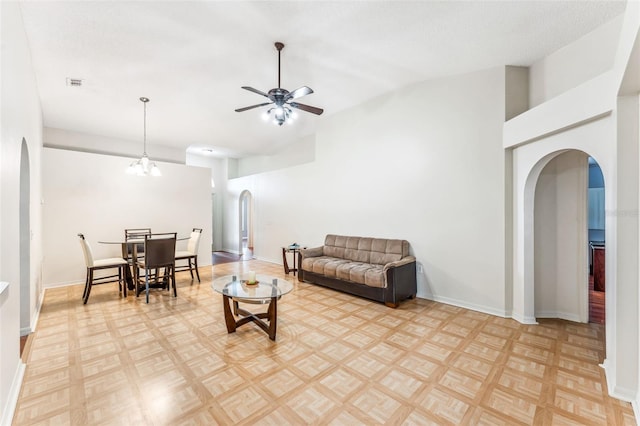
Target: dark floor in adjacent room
{"points": [[219, 257], [596, 304]]}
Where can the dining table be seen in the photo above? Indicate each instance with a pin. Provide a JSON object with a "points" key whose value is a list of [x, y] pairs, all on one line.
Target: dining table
{"points": [[133, 244]]}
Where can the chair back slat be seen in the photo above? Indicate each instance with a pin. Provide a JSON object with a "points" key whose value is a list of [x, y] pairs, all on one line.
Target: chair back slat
{"points": [[136, 233]]}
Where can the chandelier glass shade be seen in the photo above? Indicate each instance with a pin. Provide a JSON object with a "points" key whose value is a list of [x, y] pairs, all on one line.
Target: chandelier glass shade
{"points": [[144, 166], [280, 115]]}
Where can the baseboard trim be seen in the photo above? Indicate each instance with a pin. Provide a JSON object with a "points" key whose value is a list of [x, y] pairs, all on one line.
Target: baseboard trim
{"points": [[264, 259], [14, 392], [62, 284], [466, 305], [560, 315], [524, 320], [623, 394]]}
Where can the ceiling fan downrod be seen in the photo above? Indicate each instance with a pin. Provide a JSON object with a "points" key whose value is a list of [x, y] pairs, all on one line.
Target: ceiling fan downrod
{"points": [[279, 46]]}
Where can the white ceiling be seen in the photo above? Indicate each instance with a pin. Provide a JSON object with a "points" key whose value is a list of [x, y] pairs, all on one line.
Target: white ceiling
{"points": [[191, 58]]}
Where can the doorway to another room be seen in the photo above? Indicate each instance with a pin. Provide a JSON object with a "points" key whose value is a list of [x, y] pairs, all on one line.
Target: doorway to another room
{"points": [[596, 220], [569, 241], [246, 225]]}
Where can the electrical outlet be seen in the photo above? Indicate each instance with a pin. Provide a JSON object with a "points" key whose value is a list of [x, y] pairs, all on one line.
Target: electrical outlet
{"points": [[419, 268]]}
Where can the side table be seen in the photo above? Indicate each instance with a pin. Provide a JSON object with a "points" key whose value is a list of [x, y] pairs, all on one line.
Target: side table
{"points": [[295, 251]]}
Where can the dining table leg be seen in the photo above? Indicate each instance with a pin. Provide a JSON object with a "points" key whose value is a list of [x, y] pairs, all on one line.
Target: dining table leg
{"points": [[129, 274]]}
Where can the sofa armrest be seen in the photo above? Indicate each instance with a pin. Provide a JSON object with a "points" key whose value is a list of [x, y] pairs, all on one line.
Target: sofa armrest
{"points": [[400, 280], [312, 252], [404, 261]]}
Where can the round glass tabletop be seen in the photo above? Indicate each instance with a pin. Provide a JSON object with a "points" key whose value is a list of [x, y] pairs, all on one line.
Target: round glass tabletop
{"points": [[266, 287]]}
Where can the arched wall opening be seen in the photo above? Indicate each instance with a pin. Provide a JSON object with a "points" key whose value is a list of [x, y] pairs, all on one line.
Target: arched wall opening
{"points": [[617, 157], [560, 238], [25, 241]]}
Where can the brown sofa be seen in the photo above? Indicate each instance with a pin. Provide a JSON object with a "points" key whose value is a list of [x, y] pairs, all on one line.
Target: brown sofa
{"points": [[375, 268]]}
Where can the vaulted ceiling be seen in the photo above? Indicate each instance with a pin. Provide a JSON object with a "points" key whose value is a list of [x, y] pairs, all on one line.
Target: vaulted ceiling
{"points": [[191, 58]]}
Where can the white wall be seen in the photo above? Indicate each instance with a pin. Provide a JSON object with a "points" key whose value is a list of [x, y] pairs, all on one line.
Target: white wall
{"points": [[624, 307], [218, 167], [91, 194], [20, 117], [300, 152], [424, 164], [561, 281], [582, 60]]}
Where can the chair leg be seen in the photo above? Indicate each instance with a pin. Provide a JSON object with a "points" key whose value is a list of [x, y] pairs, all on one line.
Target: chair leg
{"points": [[190, 269], [195, 262], [146, 281], [137, 284], [89, 283], [173, 279], [122, 276], [86, 285]]}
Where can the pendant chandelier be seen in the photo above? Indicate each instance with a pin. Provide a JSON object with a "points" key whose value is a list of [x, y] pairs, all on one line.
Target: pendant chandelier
{"points": [[143, 166]]}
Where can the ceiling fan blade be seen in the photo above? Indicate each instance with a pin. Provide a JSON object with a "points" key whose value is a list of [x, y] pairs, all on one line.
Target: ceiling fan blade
{"points": [[253, 106], [251, 89], [307, 108], [298, 93]]}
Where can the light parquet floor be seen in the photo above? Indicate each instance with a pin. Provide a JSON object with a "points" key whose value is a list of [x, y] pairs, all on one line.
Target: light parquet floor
{"points": [[338, 360]]}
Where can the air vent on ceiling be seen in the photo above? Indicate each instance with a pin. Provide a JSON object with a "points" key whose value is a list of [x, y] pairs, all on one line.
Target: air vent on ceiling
{"points": [[74, 82]]}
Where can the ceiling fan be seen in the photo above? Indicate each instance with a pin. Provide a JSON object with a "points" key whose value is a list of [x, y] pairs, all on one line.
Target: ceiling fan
{"points": [[281, 99]]}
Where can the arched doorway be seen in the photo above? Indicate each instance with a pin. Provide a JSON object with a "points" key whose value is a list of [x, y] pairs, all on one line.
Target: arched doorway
{"points": [[25, 241], [560, 238], [245, 209]]}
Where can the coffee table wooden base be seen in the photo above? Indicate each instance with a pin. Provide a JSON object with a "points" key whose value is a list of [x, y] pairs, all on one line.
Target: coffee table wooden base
{"points": [[270, 315]]}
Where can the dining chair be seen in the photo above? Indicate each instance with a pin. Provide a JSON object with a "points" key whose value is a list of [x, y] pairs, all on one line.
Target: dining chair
{"points": [[100, 264], [135, 234], [190, 254], [159, 252]]}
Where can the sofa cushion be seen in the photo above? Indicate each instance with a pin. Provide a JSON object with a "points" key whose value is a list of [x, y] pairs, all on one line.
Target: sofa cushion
{"points": [[386, 251], [361, 273], [379, 251], [323, 265], [355, 272]]}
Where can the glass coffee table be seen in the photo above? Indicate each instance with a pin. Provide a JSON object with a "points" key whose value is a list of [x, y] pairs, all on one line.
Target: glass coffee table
{"points": [[268, 289]]}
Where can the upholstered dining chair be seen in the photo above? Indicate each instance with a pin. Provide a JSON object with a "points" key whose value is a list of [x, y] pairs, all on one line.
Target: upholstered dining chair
{"points": [[159, 250], [100, 264], [190, 254]]}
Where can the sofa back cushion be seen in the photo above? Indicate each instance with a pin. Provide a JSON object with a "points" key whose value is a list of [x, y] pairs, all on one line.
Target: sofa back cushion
{"points": [[378, 251]]}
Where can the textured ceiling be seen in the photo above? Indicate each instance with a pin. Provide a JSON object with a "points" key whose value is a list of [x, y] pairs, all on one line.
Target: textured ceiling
{"points": [[191, 58]]}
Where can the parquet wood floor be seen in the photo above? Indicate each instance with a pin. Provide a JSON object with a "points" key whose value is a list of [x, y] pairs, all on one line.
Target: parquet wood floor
{"points": [[338, 360]]}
